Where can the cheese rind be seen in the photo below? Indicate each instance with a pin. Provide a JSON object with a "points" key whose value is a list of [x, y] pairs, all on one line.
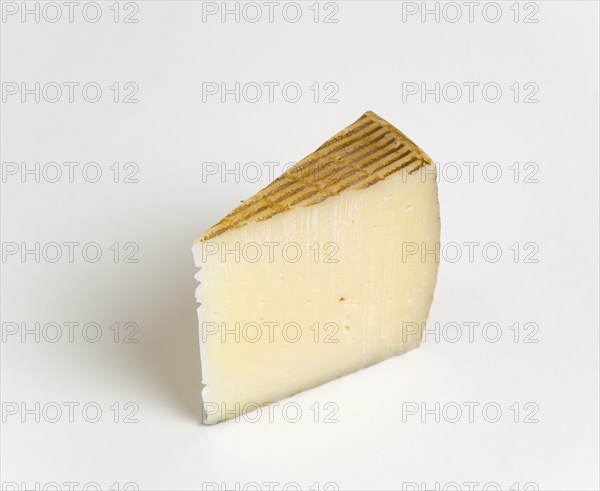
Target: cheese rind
{"points": [[316, 291], [366, 152]]}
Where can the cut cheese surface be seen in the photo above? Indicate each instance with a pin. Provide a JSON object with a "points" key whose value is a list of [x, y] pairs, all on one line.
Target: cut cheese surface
{"points": [[324, 272]]}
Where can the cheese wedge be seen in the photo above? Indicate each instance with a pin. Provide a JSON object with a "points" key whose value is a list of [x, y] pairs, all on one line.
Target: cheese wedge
{"points": [[327, 270]]}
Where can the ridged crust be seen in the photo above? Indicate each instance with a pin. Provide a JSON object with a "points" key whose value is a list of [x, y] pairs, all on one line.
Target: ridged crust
{"points": [[367, 151]]}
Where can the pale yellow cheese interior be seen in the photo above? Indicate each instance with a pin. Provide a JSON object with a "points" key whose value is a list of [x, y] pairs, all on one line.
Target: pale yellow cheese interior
{"points": [[364, 301]]}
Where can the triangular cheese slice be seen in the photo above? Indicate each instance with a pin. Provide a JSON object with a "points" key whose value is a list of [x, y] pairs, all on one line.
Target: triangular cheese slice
{"points": [[328, 269]]}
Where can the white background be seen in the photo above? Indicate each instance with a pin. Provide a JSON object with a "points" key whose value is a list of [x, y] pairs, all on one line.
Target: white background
{"points": [[369, 53]]}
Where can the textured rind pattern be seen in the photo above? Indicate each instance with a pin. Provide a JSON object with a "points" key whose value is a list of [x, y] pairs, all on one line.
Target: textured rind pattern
{"points": [[367, 151]]}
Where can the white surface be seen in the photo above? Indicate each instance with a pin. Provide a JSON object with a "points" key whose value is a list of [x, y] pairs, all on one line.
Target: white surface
{"points": [[369, 53]]}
